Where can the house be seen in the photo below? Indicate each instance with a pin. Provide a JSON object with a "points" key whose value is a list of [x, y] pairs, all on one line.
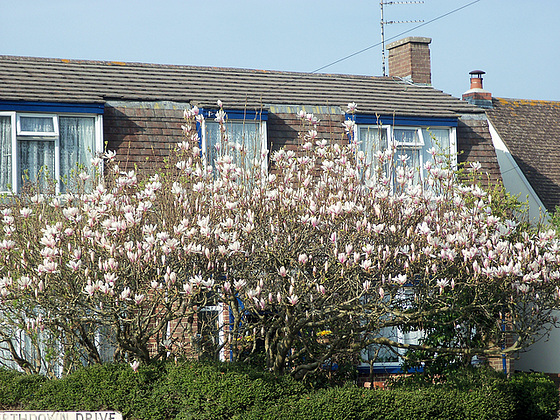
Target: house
{"points": [[524, 133], [136, 109], [57, 113]]}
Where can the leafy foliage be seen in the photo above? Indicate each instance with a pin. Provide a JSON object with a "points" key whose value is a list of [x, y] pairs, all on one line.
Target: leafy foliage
{"points": [[231, 391]]}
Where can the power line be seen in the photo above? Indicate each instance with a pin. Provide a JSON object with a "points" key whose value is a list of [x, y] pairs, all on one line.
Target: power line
{"points": [[393, 37]]}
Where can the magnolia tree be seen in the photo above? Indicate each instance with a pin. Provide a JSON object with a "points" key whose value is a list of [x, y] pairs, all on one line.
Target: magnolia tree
{"points": [[312, 261]]}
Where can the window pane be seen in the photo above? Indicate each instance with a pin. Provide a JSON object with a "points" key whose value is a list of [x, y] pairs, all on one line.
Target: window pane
{"points": [[36, 161], [5, 152], [77, 145], [437, 138], [243, 142], [413, 162], [37, 124], [373, 139], [440, 141], [406, 136]]}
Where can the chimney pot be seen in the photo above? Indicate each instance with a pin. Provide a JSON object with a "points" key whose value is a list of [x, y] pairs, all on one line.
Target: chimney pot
{"points": [[476, 95], [476, 79]]}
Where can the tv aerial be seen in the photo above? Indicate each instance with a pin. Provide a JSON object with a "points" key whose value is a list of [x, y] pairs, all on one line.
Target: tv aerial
{"points": [[384, 22]]}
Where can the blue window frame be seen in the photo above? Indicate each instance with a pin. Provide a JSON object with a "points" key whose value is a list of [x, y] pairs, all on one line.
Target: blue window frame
{"points": [[244, 138], [40, 141], [411, 137]]}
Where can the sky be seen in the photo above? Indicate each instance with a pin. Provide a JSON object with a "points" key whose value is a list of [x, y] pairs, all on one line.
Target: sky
{"points": [[516, 42]]}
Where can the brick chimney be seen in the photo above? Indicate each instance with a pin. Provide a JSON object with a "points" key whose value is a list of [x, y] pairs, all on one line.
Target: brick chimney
{"points": [[409, 58], [477, 95]]}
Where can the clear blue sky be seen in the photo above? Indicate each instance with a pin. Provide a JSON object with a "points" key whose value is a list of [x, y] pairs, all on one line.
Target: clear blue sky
{"points": [[517, 42]]}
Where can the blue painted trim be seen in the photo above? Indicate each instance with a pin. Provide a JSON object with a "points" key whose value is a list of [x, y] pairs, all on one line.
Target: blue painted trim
{"points": [[403, 121], [24, 106], [238, 114], [199, 131]]}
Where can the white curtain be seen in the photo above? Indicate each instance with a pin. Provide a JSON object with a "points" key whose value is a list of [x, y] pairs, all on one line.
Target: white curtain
{"points": [[36, 124], [373, 139], [439, 139], [36, 161], [77, 145], [5, 152], [246, 134]]}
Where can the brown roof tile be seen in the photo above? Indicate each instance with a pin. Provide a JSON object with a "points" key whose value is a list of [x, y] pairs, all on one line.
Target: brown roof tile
{"points": [[58, 80], [531, 131]]}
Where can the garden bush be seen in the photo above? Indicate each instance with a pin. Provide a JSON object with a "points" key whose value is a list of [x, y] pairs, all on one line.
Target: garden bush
{"points": [[216, 391], [104, 387], [195, 390], [17, 389], [401, 404], [531, 396], [536, 396]]}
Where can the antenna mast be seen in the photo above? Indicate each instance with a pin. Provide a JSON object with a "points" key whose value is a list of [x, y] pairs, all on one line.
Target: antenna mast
{"points": [[385, 22]]}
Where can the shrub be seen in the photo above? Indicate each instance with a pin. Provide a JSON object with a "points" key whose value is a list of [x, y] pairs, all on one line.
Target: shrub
{"points": [[402, 404], [529, 396], [16, 389], [193, 390], [216, 391], [104, 387], [536, 396]]}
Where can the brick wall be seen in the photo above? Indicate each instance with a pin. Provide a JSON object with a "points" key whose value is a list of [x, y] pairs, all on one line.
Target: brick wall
{"points": [[410, 58], [475, 145], [283, 129], [142, 134]]}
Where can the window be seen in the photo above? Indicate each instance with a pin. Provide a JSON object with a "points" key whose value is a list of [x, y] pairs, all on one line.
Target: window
{"points": [[211, 331], [388, 358], [385, 358], [244, 139], [413, 142], [41, 147], [37, 125]]}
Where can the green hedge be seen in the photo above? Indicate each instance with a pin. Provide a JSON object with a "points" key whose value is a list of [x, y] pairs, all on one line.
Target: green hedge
{"points": [[420, 404], [533, 396], [17, 389], [229, 391]]}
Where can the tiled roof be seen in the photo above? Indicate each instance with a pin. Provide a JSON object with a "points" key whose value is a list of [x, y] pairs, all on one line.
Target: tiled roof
{"points": [[58, 80], [531, 131]]}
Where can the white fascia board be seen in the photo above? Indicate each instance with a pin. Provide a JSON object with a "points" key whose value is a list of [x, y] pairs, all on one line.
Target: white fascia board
{"points": [[514, 180]]}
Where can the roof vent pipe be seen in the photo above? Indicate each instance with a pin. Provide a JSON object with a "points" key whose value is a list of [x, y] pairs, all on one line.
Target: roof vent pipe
{"points": [[476, 95], [476, 79]]}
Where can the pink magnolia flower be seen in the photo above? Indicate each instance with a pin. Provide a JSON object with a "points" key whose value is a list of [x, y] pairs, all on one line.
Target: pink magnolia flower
{"points": [[349, 126], [135, 365], [400, 279], [25, 212], [125, 294], [366, 265], [239, 284], [24, 282], [220, 117], [227, 287], [341, 257], [188, 289]]}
